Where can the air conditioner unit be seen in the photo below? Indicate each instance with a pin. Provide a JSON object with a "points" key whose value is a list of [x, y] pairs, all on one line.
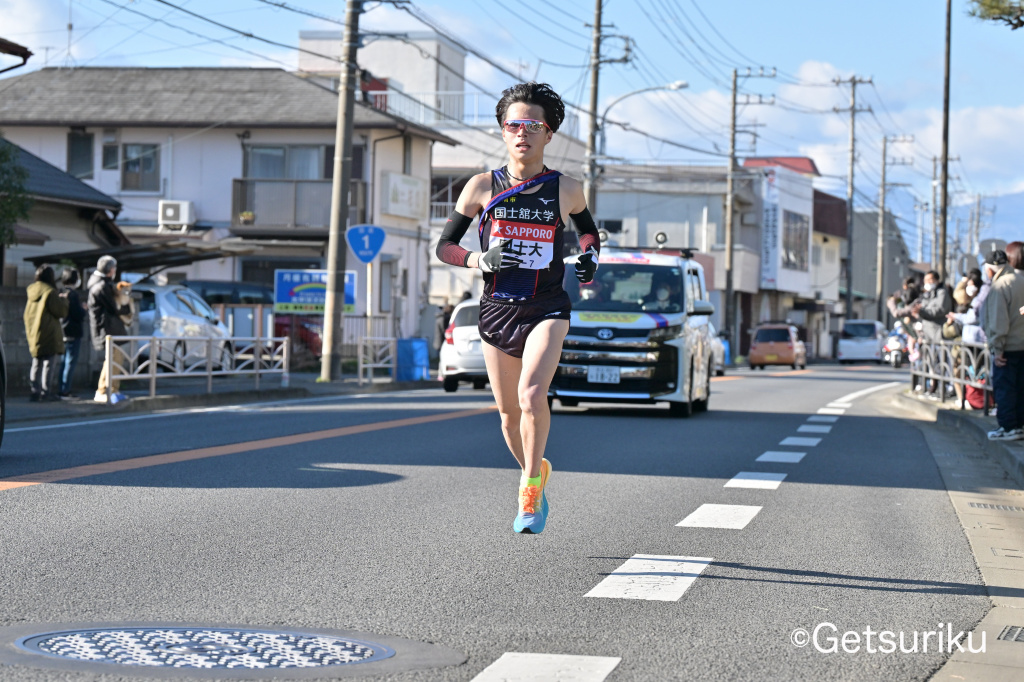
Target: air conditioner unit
{"points": [[179, 214]]}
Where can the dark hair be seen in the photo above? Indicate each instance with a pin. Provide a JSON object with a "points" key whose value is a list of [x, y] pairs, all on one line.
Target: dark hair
{"points": [[69, 277], [974, 276], [910, 282], [934, 275], [540, 94], [44, 273], [1015, 255]]}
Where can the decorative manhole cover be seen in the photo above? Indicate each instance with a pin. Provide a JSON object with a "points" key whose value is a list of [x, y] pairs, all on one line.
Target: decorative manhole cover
{"points": [[204, 648]]}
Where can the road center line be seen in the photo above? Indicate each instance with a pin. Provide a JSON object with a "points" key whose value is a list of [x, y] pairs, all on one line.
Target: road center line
{"points": [[860, 394], [231, 449], [519, 667], [814, 428], [800, 442], [822, 420], [832, 410], [755, 479], [651, 576], [781, 456], [733, 516]]}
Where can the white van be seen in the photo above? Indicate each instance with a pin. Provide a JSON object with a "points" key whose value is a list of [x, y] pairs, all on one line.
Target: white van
{"points": [[862, 340]]}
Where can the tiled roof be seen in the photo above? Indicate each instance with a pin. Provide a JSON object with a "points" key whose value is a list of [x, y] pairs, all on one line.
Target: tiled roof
{"points": [[800, 164], [49, 182], [181, 97]]}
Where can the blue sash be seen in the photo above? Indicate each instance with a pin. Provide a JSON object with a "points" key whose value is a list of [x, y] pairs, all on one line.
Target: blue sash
{"points": [[514, 190]]}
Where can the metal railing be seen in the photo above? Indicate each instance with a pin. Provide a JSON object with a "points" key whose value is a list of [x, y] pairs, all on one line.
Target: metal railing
{"points": [[376, 352], [952, 362], [440, 210], [153, 358], [261, 204]]}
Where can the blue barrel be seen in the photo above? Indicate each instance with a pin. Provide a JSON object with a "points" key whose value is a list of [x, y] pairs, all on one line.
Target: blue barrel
{"points": [[728, 355], [413, 360]]}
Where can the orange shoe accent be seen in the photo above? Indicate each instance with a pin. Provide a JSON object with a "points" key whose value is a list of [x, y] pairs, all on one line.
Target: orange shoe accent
{"points": [[545, 473], [529, 499]]}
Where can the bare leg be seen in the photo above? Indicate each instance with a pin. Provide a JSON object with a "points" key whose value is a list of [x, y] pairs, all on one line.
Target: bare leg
{"points": [[540, 360], [503, 372]]}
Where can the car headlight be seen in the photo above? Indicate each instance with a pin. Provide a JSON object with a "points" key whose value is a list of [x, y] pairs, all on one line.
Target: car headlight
{"points": [[666, 333]]}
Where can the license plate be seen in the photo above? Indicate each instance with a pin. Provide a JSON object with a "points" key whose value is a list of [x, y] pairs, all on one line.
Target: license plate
{"points": [[769, 358], [597, 374]]}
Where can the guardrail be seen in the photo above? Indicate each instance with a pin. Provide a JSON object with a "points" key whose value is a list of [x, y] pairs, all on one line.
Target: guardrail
{"points": [[376, 352], [152, 358], [956, 363]]}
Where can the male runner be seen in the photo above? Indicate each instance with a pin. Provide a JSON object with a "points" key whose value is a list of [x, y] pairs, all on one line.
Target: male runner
{"points": [[524, 312]]}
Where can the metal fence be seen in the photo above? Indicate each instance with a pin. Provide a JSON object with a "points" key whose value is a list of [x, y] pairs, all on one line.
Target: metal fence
{"points": [[959, 364], [156, 358], [376, 353]]}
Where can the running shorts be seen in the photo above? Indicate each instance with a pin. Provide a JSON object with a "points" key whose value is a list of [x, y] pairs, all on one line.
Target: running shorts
{"points": [[506, 325]]}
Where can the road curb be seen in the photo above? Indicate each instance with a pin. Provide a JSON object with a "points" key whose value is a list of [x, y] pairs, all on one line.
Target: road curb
{"points": [[1010, 457]]}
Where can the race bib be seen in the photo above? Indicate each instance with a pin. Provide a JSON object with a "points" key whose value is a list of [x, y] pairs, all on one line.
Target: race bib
{"points": [[534, 244]]}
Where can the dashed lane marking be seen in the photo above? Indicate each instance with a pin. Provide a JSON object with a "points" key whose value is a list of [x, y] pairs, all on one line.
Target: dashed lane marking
{"points": [[832, 411], [56, 475], [734, 516], [823, 420], [651, 576], [840, 405], [863, 392], [814, 428], [800, 442], [755, 479], [521, 667], [782, 457]]}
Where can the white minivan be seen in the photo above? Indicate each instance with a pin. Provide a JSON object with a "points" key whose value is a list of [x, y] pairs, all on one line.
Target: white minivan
{"points": [[862, 340]]}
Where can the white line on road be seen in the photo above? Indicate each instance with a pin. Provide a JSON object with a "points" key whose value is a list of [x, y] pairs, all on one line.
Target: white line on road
{"points": [[520, 667], [755, 479], [780, 456], [831, 410], [801, 442], [840, 405], [860, 394], [822, 420], [735, 516], [814, 428], [651, 576]]}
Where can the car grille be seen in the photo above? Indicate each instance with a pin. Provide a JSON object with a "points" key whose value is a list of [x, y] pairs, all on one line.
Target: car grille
{"points": [[652, 370]]}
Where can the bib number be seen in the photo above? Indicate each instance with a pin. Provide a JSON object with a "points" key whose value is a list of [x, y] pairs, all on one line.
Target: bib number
{"points": [[534, 244]]}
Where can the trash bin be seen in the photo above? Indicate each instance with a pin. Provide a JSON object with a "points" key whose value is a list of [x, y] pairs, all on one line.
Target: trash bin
{"points": [[727, 361], [413, 360]]}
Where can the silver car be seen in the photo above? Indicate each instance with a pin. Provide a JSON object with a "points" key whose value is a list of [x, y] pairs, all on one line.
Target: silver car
{"points": [[173, 310], [462, 358]]}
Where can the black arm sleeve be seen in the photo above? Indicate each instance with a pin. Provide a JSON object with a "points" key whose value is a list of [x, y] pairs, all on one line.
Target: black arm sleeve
{"points": [[448, 249], [587, 230]]}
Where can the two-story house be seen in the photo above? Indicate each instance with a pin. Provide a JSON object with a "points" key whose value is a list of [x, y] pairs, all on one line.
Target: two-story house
{"points": [[243, 155]]}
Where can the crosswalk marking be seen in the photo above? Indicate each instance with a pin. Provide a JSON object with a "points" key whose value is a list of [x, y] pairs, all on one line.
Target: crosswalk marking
{"points": [[651, 576], [780, 456], [801, 442], [831, 410], [734, 516], [521, 667], [822, 419], [814, 428], [755, 479]]}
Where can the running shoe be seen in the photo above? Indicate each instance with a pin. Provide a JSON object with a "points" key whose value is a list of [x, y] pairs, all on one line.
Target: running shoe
{"points": [[1005, 434], [545, 475], [531, 516]]}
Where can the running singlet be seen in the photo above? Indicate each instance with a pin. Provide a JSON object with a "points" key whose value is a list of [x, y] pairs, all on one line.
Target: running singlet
{"points": [[530, 227]]}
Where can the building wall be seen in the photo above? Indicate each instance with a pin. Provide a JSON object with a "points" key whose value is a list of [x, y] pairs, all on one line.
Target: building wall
{"points": [[785, 191], [865, 259]]}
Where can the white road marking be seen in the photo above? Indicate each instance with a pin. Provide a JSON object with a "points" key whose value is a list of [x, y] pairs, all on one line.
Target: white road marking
{"points": [[860, 394], [651, 576], [520, 667], [734, 516], [823, 420], [800, 442], [779, 456], [755, 479], [814, 428], [840, 405], [831, 410]]}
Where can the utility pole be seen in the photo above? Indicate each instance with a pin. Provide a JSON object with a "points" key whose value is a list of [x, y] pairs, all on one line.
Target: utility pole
{"points": [[976, 235], [590, 176], [919, 209], [935, 213], [945, 150], [330, 363], [853, 81], [880, 262], [731, 321]]}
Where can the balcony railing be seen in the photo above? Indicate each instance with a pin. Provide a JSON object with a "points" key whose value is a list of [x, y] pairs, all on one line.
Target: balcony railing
{"points": [[440, 210], [262, 205]]}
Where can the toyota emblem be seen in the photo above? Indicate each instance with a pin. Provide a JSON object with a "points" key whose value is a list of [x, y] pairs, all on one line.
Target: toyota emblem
{"points": [[605, 334]]}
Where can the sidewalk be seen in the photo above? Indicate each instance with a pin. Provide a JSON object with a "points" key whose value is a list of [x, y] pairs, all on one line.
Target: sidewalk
{"points": [[188, 392]]}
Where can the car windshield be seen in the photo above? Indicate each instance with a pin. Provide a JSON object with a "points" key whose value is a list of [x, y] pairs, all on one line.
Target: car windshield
{"points": [[859, 330], [197, 304], [628, 287], [468, 316], [766, 335]]}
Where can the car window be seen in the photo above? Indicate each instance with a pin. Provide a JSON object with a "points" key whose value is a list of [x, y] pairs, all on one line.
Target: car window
{"points": [[252, 295], [711, 329], [468, 316], [766, 335], [198, 304], [628, 287], [147, 302], [180, 304], [213, 292], [859, 330]]}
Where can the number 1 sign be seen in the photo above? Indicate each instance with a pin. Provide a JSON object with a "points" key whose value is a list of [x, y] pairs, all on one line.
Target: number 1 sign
{"points": [[365, 241]]}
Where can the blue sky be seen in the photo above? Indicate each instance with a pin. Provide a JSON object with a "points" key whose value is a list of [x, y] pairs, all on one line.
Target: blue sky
{"points": [[899, 45]]}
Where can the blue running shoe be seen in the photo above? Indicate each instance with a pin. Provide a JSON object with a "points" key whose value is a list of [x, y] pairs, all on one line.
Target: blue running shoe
{"points": [[532, 514]]}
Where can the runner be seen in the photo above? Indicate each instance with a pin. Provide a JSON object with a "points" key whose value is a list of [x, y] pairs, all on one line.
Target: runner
{"points": [[524, 312]]}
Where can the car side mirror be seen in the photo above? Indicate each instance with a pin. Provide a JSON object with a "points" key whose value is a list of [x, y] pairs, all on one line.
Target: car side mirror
{"points": [[702, 308]]}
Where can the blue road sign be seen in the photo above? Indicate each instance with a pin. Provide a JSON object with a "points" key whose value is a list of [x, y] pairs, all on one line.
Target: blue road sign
{"points": [[305, 291], [365, 241]]}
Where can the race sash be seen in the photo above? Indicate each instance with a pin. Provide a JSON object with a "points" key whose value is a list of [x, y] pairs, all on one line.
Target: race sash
{"points": [[514, 190]]}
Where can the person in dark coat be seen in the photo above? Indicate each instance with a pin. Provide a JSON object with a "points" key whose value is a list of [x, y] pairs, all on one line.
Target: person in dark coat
{"points": [[43, 312], [105, 320], [73, 329]]}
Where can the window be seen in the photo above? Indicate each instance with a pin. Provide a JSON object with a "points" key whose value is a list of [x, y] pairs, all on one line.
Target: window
{"points": [[467, 316], [140, 167], [815, 255], [630, 288], [407, 155], [772, 335], [110, 157], [358, 162], [80, 155], [387, 270], [610, 226], [858, 330], [796, 232]]}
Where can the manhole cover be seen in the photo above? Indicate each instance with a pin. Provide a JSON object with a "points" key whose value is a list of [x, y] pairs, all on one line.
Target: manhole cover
{"points": [[204, 648]]}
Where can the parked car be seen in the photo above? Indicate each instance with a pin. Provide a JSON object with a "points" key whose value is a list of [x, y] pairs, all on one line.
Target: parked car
{"points": [[462, 357], [862, 340], [717, 350], [173, 310], [3, 391], [777, 344]]}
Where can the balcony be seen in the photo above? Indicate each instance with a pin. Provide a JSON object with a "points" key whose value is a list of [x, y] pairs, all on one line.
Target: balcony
{"points": [[289, 208]]}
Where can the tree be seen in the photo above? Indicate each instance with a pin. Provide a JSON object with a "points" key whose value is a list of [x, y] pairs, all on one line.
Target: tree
{"points": [[14, 202], [1007, 11]]}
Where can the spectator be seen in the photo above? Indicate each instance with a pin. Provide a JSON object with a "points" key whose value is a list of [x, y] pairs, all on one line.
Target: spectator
{"points": [[42, 327], [901, 306], [931, 309], [73, 329], [105, 320], [1005, 333], [972, 292], [1015, 255]]}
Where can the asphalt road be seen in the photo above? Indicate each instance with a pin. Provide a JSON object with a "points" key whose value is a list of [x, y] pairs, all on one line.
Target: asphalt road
{"points": [[321, 515]]}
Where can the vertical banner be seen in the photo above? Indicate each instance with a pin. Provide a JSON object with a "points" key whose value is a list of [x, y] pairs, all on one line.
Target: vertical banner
{"points": [[770, 233]]}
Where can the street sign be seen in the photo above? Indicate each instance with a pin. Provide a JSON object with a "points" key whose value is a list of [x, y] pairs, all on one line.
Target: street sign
{"points": [[305, 291], [365, 241], [987, 246]]}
